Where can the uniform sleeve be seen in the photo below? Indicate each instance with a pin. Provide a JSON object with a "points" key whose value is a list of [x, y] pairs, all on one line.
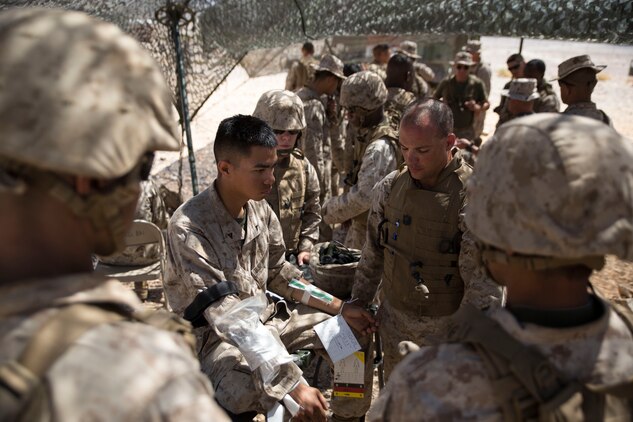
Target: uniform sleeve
{"points": [[291, 78], [439, 92], [312, 145], [549, 104], [311, 216], [480, 92], [370, 267], [479, 289], [485, 76], [280, 271], [337, 144], [378, 161]]}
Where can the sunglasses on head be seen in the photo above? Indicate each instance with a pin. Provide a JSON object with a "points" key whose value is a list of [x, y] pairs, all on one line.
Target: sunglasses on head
{"points": [[463, 66], [280, 132]]}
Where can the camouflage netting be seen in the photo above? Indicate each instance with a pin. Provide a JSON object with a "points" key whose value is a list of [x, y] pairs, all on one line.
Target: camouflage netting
{"points": [[220, 33]]}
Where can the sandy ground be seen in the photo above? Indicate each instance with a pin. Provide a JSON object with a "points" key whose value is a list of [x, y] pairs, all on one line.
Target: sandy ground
{"points": [[614, 94]]}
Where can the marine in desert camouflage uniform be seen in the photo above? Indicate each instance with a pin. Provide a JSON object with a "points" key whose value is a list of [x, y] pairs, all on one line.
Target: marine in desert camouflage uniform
{"points": [[228, 237], [381, 53], [520, 98], [416, 239], [530, 195], [482, 71], [302, 71], [375, 153], [317, 145], [70, 166], [399, 83], [516, 66], [548, 100], [577, 80], [295, 194]]}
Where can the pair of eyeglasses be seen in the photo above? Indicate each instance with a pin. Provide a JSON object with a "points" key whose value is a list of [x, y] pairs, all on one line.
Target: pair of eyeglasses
{"points": [[515, 67], [462, 67], [281, 132]]}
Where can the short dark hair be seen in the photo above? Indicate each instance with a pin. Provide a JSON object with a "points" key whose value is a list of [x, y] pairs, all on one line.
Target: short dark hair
{"points": [[236, 135], [351, 68], [398, 68], [516, 57], [536, 65], [438, 113], [379, 48], [308, 47]]}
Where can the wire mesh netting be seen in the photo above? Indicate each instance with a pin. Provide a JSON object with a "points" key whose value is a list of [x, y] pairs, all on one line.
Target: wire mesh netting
{"points": [[217, 34]]}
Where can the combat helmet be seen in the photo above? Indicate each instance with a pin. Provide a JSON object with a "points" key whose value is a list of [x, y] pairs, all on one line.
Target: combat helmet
{"points": [[84, 99], [554, 189], [281, 110], [363, 89]]}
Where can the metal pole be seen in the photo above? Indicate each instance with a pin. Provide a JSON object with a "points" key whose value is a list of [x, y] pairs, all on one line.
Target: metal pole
{"points": [[521, 46]]}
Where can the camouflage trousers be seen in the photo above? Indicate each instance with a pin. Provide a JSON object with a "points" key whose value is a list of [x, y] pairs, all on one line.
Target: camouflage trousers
{"points": [[235, 386], [397, 326]]}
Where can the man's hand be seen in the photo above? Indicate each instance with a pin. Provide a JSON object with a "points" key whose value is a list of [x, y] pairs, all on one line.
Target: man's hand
{"points": [[303, 258], [313, 404], [359, 319], [472, 105]]}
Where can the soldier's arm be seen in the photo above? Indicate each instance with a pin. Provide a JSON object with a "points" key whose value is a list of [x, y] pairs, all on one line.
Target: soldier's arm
{"points": [[311, 216], [439, 92], [280, 271], [291, 78], [378, 161], [479, 289], [370, 267], [549, 104]]}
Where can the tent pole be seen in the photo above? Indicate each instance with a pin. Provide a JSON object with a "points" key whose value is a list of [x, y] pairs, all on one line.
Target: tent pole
{"points": [[521, 46]]}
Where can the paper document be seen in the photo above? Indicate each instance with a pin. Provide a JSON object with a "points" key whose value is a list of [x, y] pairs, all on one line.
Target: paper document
{"points": [[337, 338], [349, 376]]}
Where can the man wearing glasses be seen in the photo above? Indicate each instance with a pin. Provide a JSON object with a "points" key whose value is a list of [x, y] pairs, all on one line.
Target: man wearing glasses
{"points": [[516, 66], [577, 79], [465, 94]]}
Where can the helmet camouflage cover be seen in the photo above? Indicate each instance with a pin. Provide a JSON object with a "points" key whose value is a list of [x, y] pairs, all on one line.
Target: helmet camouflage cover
{"points": [[556, 186], [281, 110], [363, 89], [78, 95]]}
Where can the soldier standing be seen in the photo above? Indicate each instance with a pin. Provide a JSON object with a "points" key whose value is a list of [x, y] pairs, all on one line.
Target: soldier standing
{"points": [[547, 101], [316, 145], [544, 226], [375, 153], [86, 109], [577, 80], [482, 71], [516, 65], [399, 83], [423, 73], [226, 250], [416, 239], [465, 94], [520, 97], [295, 194], [301, 72], [381, 53]]}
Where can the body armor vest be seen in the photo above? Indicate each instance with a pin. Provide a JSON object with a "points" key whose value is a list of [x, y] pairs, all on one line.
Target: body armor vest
{"points": [[288, 196], [421, 241], [362, 142]]}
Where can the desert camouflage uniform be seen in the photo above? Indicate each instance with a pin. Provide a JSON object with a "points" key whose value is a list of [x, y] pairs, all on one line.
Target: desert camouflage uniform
{"points": [[451, 382], [483, 72], [588, 109], [402, 324], [337, 145], [150, 208], [378, 159], [300, 73], [379, 69], [548, 101], [420, 87], [117, 371], [295, 201], [206, 246], [316, 143], [397, 102]]}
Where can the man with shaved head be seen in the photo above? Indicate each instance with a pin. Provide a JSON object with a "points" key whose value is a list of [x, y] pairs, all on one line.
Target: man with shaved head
{"points": [[416, 239]]}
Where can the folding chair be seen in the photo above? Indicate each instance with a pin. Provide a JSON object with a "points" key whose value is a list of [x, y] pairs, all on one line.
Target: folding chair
{"points": [[141, 233]]}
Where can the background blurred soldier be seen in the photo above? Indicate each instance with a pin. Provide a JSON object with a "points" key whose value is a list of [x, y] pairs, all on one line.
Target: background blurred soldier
{"points": [[375, 153], [85, 109], [423, 73], [483, 72], [516, 65], [399, 82], [301, 72], [465, 94], [521, 97], [381, 53], [416, 239], [316, 145], [295, 193], [547, 101], [549, 198], [577, 79]]}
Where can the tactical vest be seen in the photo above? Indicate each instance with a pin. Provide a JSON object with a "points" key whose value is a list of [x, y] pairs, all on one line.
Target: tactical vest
{"points": [[288, 197], [361, 143], [421, 241], [397, 102], [24, 397], [528, 386]]}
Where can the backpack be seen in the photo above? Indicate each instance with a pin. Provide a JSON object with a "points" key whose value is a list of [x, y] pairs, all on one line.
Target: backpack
{"points": [[529, 387], [23, 392]]}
